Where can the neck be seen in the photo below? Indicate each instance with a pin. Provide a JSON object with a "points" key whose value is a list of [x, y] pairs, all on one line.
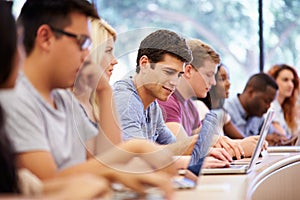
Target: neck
{"points": [[215, 102], [185, 89], [37, 75], [280, 99], [242, 100], [143, 93]]}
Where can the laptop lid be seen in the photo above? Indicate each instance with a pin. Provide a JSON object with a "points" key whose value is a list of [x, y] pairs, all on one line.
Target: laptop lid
{"points": [[204, 142], [199, 152], [263, 134], [240, 169]]}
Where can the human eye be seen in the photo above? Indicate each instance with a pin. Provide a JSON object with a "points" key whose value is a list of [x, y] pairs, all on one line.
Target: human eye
{"points": [[210, 75], [169, 72], [108, 51]]}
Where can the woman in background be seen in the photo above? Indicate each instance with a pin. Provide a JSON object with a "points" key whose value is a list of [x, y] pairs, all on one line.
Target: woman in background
{"points": [[218, 94], [101, 61], [285, 104]]}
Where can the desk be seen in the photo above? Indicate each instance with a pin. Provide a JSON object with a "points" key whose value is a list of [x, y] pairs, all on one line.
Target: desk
{"points": [[276, 177]]}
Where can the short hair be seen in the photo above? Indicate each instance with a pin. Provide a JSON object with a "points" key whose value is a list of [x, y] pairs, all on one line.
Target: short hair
{"points": [[201, 52], [161, 42], [8, 41], [260, 81], [35, 13]]}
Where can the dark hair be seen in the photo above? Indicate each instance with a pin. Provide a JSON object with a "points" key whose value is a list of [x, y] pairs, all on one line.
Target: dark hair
{"points": [[260, 82], [161, 42], [289, 103], [206, 100], [213, 88], [35, 13], [8, 42]]}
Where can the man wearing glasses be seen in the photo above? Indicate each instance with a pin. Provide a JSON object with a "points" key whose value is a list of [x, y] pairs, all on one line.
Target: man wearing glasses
{"points": [[45, 122]]}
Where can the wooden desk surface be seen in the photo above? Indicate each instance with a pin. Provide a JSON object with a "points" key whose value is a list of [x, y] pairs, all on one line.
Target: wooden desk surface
{"points": [[237, 187]]}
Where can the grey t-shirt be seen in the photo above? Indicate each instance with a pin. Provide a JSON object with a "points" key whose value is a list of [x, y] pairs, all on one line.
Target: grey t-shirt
{"points": [[135, 120], [33, 125]]}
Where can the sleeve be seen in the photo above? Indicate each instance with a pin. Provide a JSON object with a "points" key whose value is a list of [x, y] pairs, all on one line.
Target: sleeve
{"points": [[130, 113], [227, 117], [171, 110], [277, 108], [165, 135], [24, 125]]}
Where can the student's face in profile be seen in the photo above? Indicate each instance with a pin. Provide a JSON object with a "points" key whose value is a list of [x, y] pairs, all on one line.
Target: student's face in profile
{"points": [[109, 60], [66, 54], [161, 81], [259, 102], [203, 78], [222, 84], [285, 83]]}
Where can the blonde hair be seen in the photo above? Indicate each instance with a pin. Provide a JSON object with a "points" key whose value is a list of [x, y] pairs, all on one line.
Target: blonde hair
{"points": [[100, 33], [202, 51]]}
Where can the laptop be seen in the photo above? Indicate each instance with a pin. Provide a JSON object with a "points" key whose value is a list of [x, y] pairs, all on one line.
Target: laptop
{"points": [[286, 149], [182, 181], [244, 169], [200, 150]]}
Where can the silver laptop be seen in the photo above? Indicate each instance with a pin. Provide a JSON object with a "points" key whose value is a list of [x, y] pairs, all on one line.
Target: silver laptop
{"points": [[244, 169], [286, 149]]}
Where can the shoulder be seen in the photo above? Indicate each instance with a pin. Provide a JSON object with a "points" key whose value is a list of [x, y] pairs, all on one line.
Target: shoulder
{"points": [[124, 85]]}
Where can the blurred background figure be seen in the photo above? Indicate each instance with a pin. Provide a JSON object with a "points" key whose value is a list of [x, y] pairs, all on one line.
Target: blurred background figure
{"points": [[284, 105]]}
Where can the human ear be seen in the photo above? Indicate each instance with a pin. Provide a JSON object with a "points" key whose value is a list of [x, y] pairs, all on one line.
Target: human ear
{"points": [[43, 37], [144, 62], [188, 71]]}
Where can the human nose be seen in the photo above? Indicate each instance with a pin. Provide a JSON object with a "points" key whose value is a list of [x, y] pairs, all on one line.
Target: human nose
{"points": [[114, 61], [212, 81], [228, 83]]}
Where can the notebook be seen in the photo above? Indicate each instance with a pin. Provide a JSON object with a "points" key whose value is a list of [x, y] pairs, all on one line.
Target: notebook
{"points": [[244, 169]]}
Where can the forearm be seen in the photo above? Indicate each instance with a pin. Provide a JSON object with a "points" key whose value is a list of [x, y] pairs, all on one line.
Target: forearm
{"points": [[182, 147], [92, 166], [231, 131], [108, 119]]}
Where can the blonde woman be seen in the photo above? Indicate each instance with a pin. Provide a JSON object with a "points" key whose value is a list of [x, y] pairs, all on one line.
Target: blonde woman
{"points": [[101, 61]]}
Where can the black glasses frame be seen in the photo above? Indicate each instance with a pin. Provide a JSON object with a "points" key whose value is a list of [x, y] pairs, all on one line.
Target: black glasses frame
{"points": [[84, 41]]}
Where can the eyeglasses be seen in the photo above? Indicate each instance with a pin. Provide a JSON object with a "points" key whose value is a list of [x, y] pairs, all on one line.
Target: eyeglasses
{"points": [[84, 41]]}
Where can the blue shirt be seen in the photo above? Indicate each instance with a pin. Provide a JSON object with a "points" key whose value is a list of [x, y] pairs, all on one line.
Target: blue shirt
{"points": [[136, 121], [247, 125]]}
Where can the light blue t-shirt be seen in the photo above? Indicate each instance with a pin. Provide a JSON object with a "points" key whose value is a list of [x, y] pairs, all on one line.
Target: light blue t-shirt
{"points": [[33, 125], [137, 122], [248, 126]]}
